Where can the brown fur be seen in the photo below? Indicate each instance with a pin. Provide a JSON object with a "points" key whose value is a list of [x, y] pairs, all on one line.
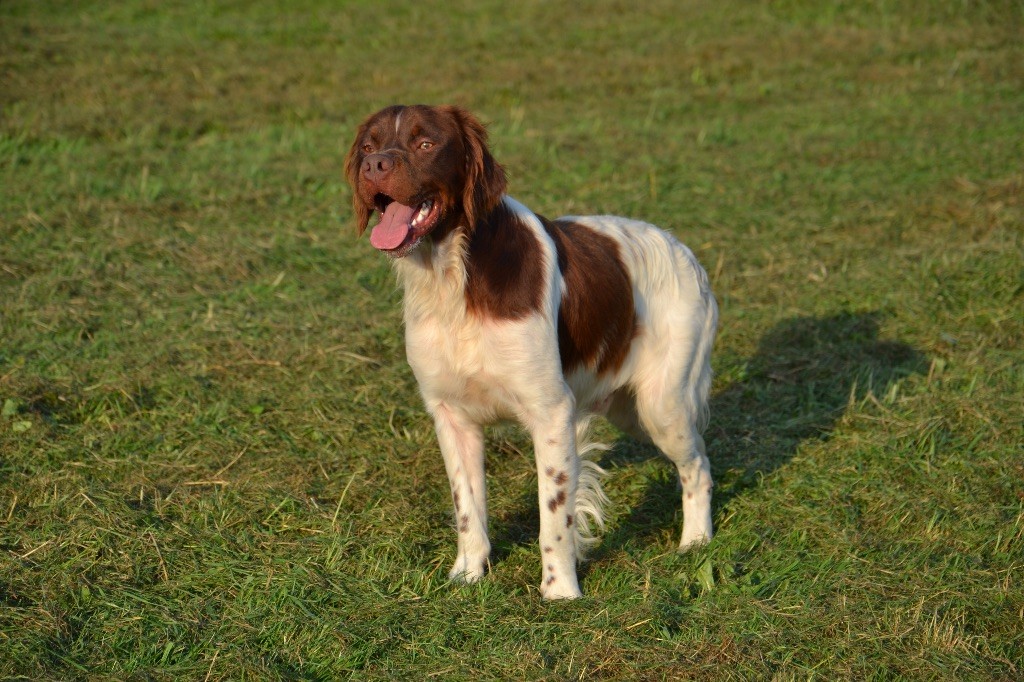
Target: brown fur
{"points": [[459, 171], [504, 270], [597, 318]]}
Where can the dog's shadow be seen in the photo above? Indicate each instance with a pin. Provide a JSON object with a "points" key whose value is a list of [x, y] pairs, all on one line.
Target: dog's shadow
{"points": [[805, 372]]}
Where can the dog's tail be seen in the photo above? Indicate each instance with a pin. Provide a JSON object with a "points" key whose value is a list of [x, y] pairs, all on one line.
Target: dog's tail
{"points": [[590, 498]]}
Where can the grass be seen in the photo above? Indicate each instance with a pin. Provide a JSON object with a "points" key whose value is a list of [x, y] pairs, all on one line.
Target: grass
{"points": [[213, 460]]}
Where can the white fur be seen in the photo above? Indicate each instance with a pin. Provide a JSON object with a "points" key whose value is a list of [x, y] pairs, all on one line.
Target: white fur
{"points": [[473, 370]]}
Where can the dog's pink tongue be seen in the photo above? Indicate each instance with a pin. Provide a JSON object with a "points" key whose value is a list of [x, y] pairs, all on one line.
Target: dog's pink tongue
{"points": [[393, 227]]}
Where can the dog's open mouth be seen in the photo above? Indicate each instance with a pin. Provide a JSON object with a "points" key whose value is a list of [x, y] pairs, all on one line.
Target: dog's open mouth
{"points": [[402, 227]]}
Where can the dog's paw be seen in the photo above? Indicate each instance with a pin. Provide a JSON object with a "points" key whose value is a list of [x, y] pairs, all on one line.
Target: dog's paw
{"points": [[560, 587], [560, 590], [694, 540], [467, 570]]}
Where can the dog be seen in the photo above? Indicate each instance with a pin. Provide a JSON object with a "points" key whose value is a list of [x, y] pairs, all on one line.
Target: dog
{"points": [[509, 315]]}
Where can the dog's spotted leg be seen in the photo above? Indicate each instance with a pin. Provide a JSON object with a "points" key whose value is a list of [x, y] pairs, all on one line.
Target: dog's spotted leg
{"points": [[695, 480], [672, 425], [554, 439], [462, 446]]}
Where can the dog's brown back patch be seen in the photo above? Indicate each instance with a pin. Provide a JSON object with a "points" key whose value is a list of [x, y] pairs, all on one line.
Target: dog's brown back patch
{"points": [[597, 318]]}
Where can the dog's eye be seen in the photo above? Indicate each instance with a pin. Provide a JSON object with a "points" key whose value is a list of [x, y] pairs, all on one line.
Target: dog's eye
{"points": [[426, 144]]}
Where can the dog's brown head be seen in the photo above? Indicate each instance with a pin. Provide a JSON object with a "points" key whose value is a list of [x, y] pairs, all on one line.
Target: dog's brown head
{"points": [[426, 170]]}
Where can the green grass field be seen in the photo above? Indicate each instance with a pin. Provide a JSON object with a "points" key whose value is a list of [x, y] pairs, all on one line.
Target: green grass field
{"points": [[214, 463]]}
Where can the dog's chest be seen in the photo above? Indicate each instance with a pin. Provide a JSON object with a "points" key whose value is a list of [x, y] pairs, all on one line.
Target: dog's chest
{"points": [[461, 361]]}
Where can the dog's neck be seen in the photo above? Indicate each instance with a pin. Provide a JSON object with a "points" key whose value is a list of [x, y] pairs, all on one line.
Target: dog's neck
{"points": [[433, 277], [449, 277]]}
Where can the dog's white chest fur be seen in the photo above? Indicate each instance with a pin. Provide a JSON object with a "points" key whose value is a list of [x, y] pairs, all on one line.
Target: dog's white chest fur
{"points": [[458, 358], [457, 365]]}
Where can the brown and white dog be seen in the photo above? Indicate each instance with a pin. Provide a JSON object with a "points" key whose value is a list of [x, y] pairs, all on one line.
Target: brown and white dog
{"points": [[509, 315]]}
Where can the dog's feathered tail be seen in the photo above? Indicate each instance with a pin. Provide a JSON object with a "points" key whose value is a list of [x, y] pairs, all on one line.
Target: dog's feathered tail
{"points": [[590, 498]]}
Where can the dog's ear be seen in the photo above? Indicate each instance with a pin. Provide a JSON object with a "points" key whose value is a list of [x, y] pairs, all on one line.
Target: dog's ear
{"points": [[353, 161], [485, 178]]}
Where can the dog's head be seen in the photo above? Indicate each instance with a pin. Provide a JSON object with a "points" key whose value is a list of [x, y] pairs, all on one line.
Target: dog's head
{"points": [[426, 171]]}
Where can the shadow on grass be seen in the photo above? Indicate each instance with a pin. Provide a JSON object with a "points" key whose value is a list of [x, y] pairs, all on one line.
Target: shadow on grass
{"points": [[794, 388]]}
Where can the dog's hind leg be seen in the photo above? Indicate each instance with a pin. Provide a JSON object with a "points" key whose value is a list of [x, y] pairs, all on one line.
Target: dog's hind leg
{"points": [[684, 446], [672, 404], [674, 429], [462, 445]]}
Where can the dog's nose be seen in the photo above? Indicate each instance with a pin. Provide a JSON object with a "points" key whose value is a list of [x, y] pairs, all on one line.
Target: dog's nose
{"points": [[376, 167]]}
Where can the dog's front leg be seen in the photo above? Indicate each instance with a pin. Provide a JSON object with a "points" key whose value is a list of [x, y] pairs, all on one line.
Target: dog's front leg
{"points": [[554, 442], [462, 445]]}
